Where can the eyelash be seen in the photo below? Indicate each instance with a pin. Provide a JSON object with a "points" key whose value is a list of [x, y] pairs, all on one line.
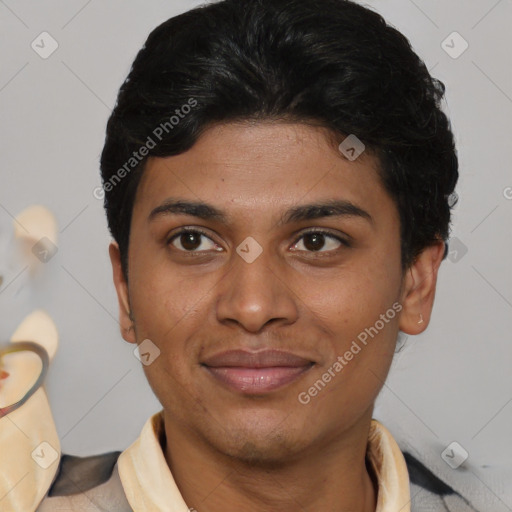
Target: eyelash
{"points": [[328, 234]]}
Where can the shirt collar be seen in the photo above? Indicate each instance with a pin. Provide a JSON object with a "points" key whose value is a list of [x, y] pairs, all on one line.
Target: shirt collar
{"points": [[150, 486]]}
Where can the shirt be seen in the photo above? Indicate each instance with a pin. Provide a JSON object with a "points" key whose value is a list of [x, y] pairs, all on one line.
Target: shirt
{"points": [[139, 479], [149, 485]]}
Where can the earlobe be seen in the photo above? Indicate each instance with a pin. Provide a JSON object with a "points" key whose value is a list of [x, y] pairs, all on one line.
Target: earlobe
{"points": [[420, 288], [125, 315]]}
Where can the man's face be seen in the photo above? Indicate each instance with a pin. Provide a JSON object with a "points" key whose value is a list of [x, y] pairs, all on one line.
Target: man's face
{"points": [[197, 296]]}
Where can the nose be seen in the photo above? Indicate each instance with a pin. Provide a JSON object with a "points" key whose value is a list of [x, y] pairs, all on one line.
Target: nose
{"points": [[256, 293]]}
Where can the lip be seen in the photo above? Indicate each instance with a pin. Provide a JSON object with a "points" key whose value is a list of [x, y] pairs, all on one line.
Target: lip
{"points": [[256, 372]]}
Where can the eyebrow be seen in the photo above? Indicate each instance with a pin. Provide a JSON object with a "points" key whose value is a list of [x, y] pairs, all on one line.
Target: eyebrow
{"points": [[312, 211]]}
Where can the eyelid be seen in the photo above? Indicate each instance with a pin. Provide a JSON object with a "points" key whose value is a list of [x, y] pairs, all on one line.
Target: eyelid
{"points": [[188, 229], [322, 231]]}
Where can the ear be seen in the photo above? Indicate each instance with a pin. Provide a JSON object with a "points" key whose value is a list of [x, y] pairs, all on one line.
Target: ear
{"points": [[126, 323], [420, 288]]}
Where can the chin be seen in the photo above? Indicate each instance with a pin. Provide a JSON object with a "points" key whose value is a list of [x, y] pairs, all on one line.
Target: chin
{"points": [[264, 443], [265, 453]]}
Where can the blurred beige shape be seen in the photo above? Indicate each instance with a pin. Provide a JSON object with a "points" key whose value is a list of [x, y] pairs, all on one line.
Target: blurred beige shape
{"points": [[23, 481], [34, 223], [29, 444]]}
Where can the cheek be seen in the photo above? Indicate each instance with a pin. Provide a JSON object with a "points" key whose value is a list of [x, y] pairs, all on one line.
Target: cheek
{"points": [[354, 299], [360, 322], [351, 379], [170, 324], [161, 297], [169, 309]]}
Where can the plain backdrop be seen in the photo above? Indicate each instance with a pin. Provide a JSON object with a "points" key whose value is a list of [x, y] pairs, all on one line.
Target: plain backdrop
{"points": [[452, 383]]}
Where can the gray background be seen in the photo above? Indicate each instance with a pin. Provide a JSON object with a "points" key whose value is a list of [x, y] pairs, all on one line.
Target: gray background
{"points": [[452, 383]]}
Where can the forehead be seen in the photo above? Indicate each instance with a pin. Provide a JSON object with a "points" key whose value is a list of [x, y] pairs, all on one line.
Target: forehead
{"points": [[262, 168]]}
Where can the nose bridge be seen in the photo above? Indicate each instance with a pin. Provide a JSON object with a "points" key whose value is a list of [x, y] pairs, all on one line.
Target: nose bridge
{"points": [[251, 294]]}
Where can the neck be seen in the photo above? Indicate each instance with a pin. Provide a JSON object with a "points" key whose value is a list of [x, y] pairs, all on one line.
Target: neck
{"points": [[331, 477]]}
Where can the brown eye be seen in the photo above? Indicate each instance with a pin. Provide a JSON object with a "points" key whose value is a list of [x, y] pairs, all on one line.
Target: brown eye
{"points": [[190, 240], [315, 241]]}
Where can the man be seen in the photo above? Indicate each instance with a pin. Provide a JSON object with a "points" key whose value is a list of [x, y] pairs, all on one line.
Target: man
{"points": [[278, 178]]}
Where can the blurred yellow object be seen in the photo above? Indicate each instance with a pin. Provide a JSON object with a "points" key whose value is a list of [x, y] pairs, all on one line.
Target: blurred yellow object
{"points": [[29, 443], [36, 222], [22, 346]]}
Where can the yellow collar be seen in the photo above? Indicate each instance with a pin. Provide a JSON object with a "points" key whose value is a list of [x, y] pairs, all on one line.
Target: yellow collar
{"points": [[150, 486]]}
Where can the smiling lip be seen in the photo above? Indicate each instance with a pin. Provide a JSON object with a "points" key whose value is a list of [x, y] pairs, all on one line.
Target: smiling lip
{"points": [[256, 372]]}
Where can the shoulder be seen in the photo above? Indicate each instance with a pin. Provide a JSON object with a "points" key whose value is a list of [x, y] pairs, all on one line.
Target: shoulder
{"points": [[87, 483], [79, 474], [93, 482], [429, 493]]}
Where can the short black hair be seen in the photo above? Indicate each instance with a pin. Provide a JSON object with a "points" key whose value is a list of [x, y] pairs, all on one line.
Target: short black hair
{"points": [[330, 62]]}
